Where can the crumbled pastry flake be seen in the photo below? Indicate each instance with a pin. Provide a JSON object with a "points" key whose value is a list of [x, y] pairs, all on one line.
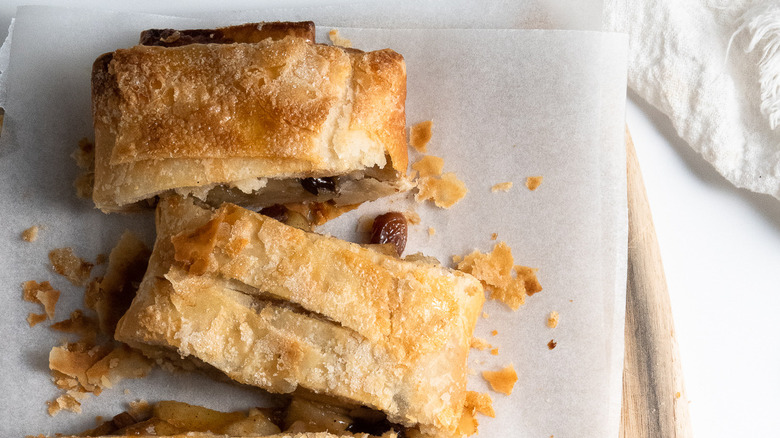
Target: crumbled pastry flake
{"points": [[552, 319], [494, 236], [429, 165], [552, 344], [338, 40], [530, 281], [431, 231], [494, 351], [79, 324], [480, 402], [533, 182], [479, 343], [70, 266], [420, 134], [112, 295], [444, 192], [30, 234], [41, 293], [507, 283], [81, 369], [84, 156], [503, 380], [485, 315], [501, 187], [100, 259], [494, 332], [35, 318], [412, 217]]}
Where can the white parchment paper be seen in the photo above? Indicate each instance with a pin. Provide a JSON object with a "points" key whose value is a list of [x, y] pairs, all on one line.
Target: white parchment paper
{"points": [[506, 104]]}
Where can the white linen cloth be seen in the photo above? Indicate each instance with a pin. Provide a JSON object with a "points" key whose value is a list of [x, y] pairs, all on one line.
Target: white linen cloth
{"points": [[713, 67]]}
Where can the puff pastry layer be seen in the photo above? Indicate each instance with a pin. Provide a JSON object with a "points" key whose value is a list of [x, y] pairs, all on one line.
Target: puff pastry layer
{"points": [[275, 307], [246, 122]]}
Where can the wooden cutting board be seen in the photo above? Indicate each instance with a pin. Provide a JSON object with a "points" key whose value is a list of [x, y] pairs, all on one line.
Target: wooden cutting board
{"points": [[654, 401]]}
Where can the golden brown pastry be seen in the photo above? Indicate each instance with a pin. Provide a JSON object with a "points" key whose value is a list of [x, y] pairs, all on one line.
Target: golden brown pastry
{"points": [[276, 121], [273, 306]]}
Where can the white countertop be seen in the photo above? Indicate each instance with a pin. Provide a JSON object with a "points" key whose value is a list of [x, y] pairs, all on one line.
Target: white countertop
{"points": [[721, 252]]}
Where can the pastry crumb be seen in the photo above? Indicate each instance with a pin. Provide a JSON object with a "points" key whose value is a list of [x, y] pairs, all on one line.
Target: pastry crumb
{"points": [[533, 182], [677, 395], [112, 296], [43, 294], [70, 266], [501, 187], [485, 315], [82, 369], [431, 231], [502, 381], [506, 282], [552, 319], [444, 192], [84, 156], [79, 324], [34, 319], [552, 344], [494, 236], [420, 134], [494, 332], [338, 40], [412, 217], [428, 165], [480, 402], [494, 351], [479, 344], [30, 234], [140, 408]]}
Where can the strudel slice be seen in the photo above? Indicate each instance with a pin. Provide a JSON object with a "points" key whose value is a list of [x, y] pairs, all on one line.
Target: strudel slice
{"points": [[268, 121], [276, 307]]}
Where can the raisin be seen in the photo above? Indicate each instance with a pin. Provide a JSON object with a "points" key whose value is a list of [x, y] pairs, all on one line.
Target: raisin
{"points": [[314, 185], [390, 228], [277, 211]]}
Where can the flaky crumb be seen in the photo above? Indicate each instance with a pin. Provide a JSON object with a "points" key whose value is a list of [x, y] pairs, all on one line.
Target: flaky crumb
{"points": [[552, 344], [494, 351], [338, 40], [444, 192], [126, 267], [43, 294], [494, 332], [677, 395], [479, 344], [494, 236], [420, 134], [507, 283], [501, 187], [480, 402], [485, 315], [81, 369], [428, 165], [533, 182], [67, 264], [140, 408], [30, 234], [79, 324], [552, 319], [431, 231], [502, 381], [412, 217], [84, 156], [34, 319]]}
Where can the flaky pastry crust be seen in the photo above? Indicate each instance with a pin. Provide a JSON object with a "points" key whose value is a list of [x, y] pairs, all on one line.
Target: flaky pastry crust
{"points": [[276, 307], [241, 114]]}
